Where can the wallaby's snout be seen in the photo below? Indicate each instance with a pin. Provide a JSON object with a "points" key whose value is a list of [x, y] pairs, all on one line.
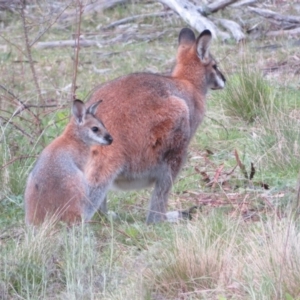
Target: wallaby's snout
{"points": [[217, 80], [108, 138]]}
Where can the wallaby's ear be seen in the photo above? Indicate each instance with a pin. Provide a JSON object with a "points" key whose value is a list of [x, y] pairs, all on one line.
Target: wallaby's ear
{"points": [[92, 109], [203, 43], [186, 36], [78, 111]]}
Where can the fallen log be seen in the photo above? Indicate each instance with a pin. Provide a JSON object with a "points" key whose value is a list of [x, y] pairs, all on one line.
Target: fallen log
{"points": [[233, 27], [242, 3], [66, 43], [269, 14], [294, 31], [195, 16], [191, 14]]}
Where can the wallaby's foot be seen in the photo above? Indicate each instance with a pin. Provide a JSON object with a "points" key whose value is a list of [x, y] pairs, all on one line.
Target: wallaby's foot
{"points": [[112, 216], [155, 217], [176, 216]]}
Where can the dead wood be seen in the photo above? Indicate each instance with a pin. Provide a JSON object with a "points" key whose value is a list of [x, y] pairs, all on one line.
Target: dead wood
{"points": [[66, 43], [233, 27], [122, 38], [269, 14], [191, 14], [294, 31], [242, 3], [217, 5], [137, 17], [93, 7], [195, 16]]}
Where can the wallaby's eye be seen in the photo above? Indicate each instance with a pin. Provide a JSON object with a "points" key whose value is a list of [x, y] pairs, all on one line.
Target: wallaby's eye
{"points": [[215, 67], [95, 129]]}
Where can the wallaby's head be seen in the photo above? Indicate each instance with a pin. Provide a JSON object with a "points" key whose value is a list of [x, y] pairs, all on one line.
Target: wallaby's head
{"points": [[194, 61], [88, 127]]}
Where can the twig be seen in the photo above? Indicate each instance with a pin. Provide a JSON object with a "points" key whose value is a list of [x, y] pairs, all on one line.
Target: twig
{"points": [[76, 49], [17, 127], [12, 44], [137, 17], [17, 158], [217, 5], [19, 100], [227, 134], [230, 172], [240, 164], [50, 25], [121, 232], [217, 175], [27, 44]]}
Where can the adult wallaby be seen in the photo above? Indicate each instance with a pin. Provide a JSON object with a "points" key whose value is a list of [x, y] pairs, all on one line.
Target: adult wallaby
{"points": [[57, 186], [152, 119]]}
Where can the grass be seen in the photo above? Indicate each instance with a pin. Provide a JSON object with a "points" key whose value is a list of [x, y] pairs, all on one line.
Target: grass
{"points": [[243, 241], [248, 95]]}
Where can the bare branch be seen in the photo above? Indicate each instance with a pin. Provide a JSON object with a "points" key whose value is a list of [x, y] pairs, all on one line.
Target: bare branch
{"points": [[80, 9], [220, 4], [8, 121], [269, 14], [17, 158], [242, 3], [66, 43], [23, 105], [125, 37], [137, 17], [28, 48], [49, 26]]}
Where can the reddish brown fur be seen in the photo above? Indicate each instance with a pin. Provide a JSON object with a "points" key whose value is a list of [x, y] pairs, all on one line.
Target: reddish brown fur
{"points": [[152, 119]]}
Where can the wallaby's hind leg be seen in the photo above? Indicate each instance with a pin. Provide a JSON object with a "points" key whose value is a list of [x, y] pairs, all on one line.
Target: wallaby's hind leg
{"points": [[164, 181], [159, 197]]}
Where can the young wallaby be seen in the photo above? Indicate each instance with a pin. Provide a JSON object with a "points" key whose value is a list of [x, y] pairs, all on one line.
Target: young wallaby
{"points": [[57, 186], [152, 119]]}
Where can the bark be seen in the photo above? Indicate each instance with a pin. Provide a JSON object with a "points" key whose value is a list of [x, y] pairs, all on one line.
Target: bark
{"points": [[233, 27], [294, 31], [275, 16], [217, 5], [66, 43], [190, 14], [194, 16]]}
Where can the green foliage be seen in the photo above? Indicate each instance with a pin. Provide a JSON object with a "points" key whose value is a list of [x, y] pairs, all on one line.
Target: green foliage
{"points": [[247, 95]]}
